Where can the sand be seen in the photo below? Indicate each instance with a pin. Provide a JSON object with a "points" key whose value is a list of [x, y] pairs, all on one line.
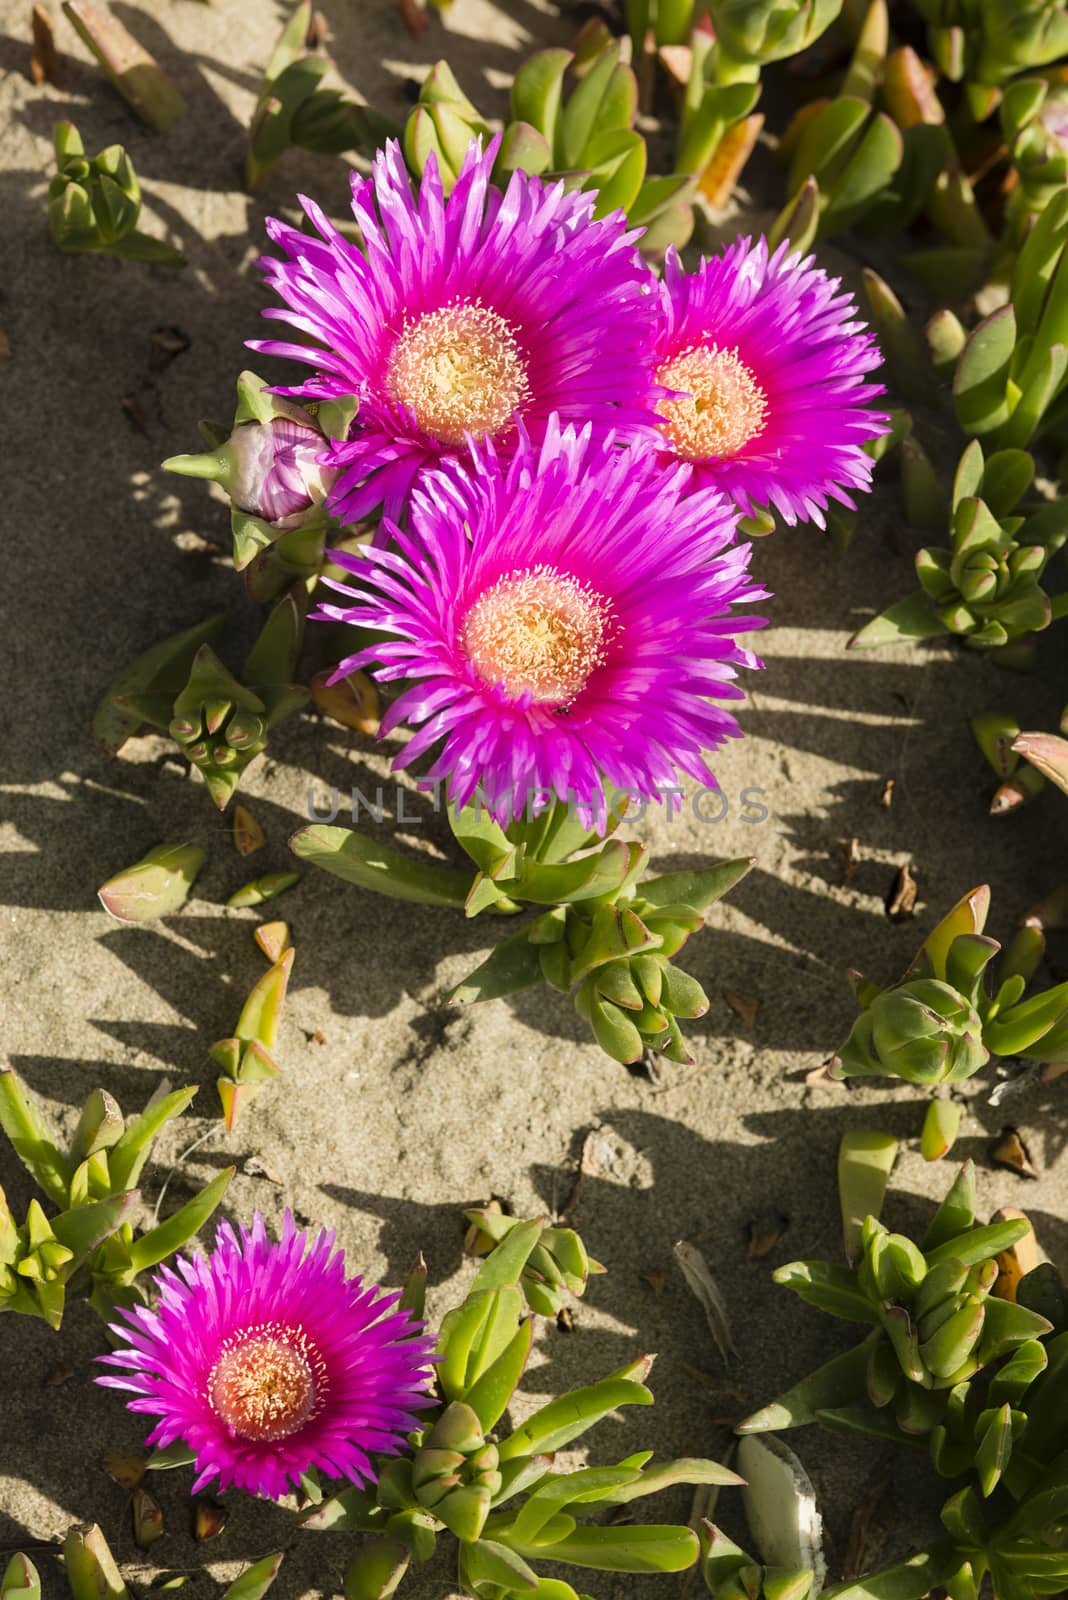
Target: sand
{"points": [[395, 1111]]}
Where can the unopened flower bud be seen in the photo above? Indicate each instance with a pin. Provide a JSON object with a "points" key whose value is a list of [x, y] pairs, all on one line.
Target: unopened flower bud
{"points": [[926, 1032], [276, 474], [269, 469]]}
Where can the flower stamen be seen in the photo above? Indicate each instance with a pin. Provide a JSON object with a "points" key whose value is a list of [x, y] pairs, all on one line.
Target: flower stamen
{"points": [[537, 632], [267, 1382], [722, 409], [459, 370]]}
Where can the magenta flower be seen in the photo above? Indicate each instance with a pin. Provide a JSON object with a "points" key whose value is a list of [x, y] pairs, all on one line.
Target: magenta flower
{"points": [[565, 620], [267, 1361], [461, 315], [769, 363]]}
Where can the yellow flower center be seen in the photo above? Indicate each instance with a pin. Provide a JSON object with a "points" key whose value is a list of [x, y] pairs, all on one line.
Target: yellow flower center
{"points": [[537, 632], [267, 1382], [723, 408], [459, 371]]}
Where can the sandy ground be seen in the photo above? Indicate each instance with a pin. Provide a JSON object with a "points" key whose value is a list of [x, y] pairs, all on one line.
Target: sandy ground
{"points": [[395, 1111]]}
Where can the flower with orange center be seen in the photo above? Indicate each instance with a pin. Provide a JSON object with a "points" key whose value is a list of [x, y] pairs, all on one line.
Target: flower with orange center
{"points": [[537, 633], [267, 1382], [459, 372], [720, 407], [267, 1362], [461, 317], [768, 364], [565, 622]]}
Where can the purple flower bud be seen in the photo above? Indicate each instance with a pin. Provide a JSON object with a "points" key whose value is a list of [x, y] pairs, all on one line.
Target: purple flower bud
{"points": [[1054, 118], [276, 471]]}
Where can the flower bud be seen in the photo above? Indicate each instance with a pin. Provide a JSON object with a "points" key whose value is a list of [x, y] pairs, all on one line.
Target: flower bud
{"points": [[275, 467], [269, 469], [925, 1032]]}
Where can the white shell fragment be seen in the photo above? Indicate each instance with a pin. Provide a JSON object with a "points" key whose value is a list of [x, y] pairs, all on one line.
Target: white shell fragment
{"points": [[780, 1506]]}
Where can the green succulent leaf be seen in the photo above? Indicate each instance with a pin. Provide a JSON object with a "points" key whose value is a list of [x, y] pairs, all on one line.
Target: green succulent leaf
{"points": [[489, 1395], [127, 1157], [698, 890], [560, 1421], [149, 1249], [645, 1548], [375, 866], [830, 1385], [256, 1579], [31, 1139], [831, 1288]]}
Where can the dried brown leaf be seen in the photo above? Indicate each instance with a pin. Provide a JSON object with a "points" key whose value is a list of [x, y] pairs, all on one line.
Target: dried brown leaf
{"points": [[902, 899], [704, 1287], [728, 160], [765, 1231], [167, 342], [1017, 1262], [1009, 1150], [135, 415], [414, 17], [744, 1008], [353, 701], [209, 1519], [126, 1470], [248, 836], [44, 59]]}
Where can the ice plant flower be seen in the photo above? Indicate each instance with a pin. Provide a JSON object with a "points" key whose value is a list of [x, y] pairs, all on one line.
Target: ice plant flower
{"points": [[768, 364], [565, 620], [461, 315], [267, 1361]]}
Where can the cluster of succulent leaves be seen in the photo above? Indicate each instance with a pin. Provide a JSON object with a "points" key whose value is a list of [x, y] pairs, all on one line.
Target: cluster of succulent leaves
{"points": [[985, 587], [604, 933], [730, 1573], [88, 1240], [1023, 759], [881, 152], [498, 1491], [94, 203], [941, 1023], [293, 110], [985, 44], [1007, 381], [91, 1572], [1033, 117], [877, 153], [245, 1059], [219, 721], [963, 1358], [586, 136], [714, 54]]}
